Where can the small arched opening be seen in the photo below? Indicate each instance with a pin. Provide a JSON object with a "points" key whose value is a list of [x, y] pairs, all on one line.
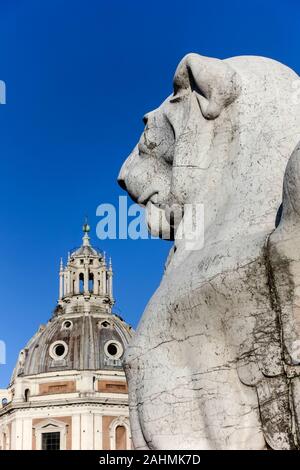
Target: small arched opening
{"points": [[4, 402], [81, 283], [119, 434], [121, 438], [91, 282], [27, 394]]}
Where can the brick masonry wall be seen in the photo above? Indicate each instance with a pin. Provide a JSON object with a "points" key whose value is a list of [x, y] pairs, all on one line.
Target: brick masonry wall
{"points": [[50, 388], [106, 420], [112, 386]]}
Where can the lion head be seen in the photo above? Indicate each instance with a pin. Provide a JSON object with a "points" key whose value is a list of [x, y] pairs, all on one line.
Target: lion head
{"points": [[222, 139]]}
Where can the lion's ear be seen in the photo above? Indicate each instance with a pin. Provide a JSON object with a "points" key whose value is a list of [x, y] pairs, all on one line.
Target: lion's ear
{"points": [[210, 78]]}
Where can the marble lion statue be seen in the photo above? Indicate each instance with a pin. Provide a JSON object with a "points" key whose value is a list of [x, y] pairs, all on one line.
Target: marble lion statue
{"points": [[215, 362]]}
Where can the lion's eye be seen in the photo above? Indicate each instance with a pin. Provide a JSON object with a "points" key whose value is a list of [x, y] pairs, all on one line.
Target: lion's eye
{"points": [[176, 99]]}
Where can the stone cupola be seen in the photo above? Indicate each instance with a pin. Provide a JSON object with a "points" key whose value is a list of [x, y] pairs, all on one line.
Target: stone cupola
{"points": [[86, 275]]}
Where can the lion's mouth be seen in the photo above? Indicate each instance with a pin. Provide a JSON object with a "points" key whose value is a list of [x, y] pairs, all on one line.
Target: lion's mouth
{"points": [[148, 196]]}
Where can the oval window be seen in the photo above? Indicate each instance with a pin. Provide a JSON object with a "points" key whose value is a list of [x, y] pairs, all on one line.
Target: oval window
{"points": [[113, 349], [58, 350], [67, 325]]}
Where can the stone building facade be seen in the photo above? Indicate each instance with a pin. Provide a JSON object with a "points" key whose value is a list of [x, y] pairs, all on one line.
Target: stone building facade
{"points": [[68, 389]]}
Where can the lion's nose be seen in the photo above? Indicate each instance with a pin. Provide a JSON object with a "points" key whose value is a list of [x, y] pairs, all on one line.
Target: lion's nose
{"points": [[121, 178], [121, 182], [126, 168]]}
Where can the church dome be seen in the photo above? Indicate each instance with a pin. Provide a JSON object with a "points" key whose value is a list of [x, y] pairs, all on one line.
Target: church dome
{"points": [[83, 333], [86, 251], [69, 389], [75, 342]]}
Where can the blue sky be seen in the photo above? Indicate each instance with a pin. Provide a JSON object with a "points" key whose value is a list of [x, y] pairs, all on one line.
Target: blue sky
{"points": [[80, 75]]}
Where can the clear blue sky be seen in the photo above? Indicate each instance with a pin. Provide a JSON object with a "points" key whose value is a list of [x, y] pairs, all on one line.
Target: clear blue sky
{"points": [[80, 75]]}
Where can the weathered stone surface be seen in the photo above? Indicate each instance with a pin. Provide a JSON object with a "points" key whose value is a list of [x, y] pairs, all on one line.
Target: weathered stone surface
{"points": [[214, 363]]}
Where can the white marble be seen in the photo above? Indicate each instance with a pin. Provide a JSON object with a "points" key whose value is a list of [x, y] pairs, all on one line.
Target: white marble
{"points": [[208, 366]]}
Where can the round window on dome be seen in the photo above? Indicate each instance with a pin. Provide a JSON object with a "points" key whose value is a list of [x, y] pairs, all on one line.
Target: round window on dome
{"points": [[113, 349], [67, 325], [58, 350]]}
